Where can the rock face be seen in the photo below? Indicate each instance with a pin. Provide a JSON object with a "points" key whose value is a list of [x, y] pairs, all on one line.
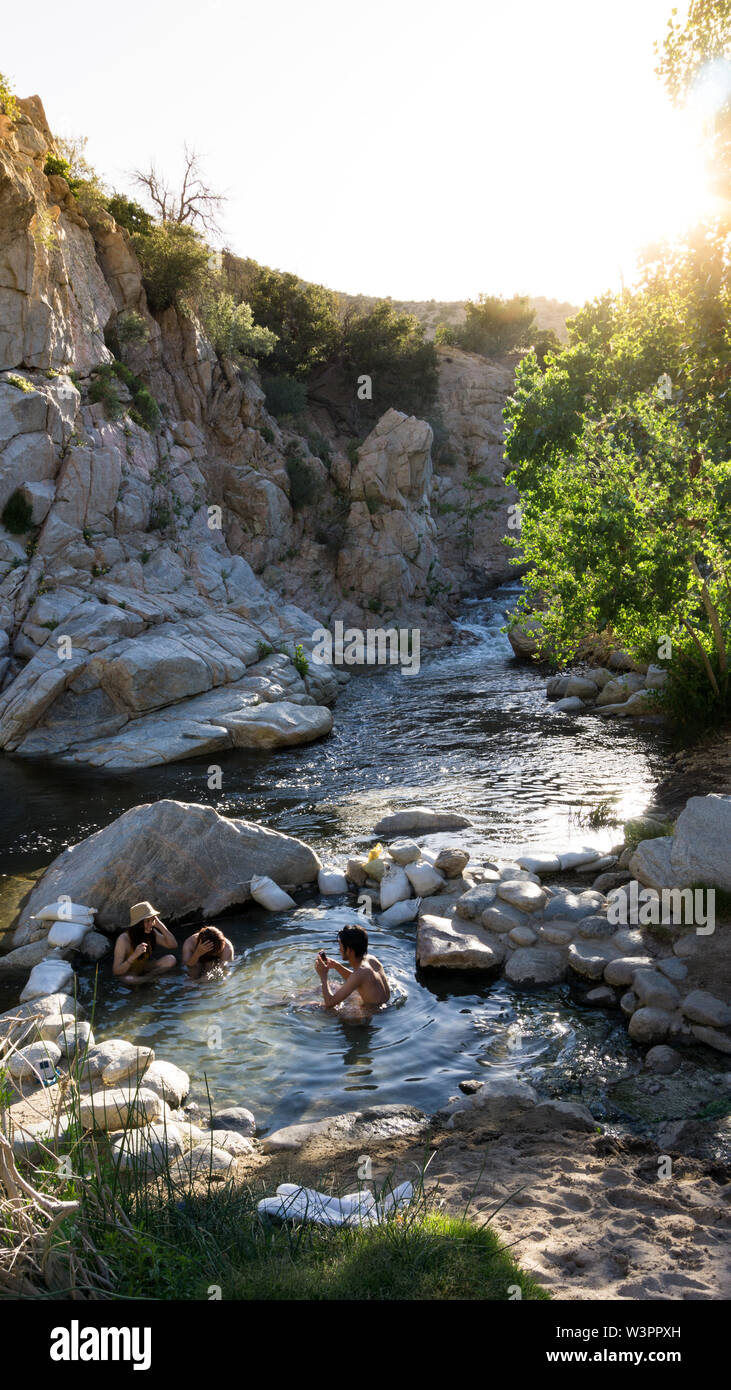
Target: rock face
{"points": [[158, 561], [447, 944], [182, 857]]}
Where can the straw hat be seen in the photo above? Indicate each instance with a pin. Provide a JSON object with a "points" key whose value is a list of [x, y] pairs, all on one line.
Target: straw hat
{"points": [[140, 911]]}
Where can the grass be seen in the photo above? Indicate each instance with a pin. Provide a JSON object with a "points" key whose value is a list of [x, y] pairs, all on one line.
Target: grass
{"points": [[180, 1250]]}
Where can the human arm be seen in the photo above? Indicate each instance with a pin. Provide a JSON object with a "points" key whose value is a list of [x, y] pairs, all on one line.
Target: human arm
{"points": [[163, 936], [332, 998], [124, 954], [342, 970]]}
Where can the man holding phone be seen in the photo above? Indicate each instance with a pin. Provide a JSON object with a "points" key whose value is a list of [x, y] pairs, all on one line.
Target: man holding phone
{"points": [[363, 972]]}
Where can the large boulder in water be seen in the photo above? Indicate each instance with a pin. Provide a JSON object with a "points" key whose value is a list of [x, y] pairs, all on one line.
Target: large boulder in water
{"points": [[182, 857], [420, 819]]}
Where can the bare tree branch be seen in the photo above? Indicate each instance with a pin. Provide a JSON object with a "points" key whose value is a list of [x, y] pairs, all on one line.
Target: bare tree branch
{"points": [[194, 203]]}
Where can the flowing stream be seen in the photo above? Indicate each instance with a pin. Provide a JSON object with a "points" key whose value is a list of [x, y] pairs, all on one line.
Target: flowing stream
{"points": [[471, 732]]}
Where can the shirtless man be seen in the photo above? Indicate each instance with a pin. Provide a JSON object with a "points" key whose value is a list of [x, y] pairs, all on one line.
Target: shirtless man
{"points": [[133, 960], [366, 974], [205, 950]]}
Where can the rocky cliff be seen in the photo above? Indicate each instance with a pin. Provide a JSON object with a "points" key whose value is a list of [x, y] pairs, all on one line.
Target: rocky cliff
{"points": [[157, 576]]}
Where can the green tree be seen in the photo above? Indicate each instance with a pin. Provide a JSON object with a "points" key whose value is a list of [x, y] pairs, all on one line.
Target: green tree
{"points": [[392, 349], [694, 55], [231, 329], [303, 317], [495, 325], [130, 215]]}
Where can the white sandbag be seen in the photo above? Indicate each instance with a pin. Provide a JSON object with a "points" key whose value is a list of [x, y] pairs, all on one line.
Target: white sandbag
{"points": [[65, 911], [394, 886], [376, 868], [50, 977], [268, 894], [330, 881], [424, 879], [67, 934], [405, 911]]}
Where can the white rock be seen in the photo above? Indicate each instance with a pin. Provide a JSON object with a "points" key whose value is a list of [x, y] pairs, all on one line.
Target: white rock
{"points": [[701, 844], [169, 1082], [129, 1064], [404, 851], [450, 944], [119, 1108], [526, 896]]}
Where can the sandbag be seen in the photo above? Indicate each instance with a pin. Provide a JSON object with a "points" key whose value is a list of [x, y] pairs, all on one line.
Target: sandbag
{"points": [[293, 1203], [65, 934], [405, 911], [269, 895], [424, 879], [394, 886], [65, 911], [330, 881]]}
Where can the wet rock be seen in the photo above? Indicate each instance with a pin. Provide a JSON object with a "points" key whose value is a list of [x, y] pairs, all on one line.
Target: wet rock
{"points": [[601, 997], [235, 1117], [421, 820], [536, 965]]}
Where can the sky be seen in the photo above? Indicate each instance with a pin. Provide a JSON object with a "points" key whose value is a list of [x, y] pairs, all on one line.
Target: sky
{"points": [[397, 147]]}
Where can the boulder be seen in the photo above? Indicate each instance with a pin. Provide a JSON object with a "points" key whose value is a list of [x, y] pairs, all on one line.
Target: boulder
{"points": [[354, 1128], [184, 857], [75, 1038], [581, 686], [202, 1162], [19, 1023], [522, 936], [500, 917], [590, 958], [712, 1037], [424, 879], [701, 843], [24, 958], [445, 944], [570, 704], [540, 863], [573, 907], [621, 970], [149, 1149], [595, 928], [421, 820], [654, 990], [233, 1143]]}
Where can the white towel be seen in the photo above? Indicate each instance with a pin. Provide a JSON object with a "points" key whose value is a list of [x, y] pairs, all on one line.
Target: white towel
{"points": [[293, 1203]]}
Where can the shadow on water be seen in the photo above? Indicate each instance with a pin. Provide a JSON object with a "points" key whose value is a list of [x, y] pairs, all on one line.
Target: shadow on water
{"points": [[471, 732]]}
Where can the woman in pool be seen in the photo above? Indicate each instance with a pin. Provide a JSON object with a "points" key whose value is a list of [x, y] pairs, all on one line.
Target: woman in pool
{"points": [[134, 963], [205, 951]]}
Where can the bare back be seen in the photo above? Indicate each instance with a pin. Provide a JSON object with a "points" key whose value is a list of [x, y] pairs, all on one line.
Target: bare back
{"points": [[372, 986]]}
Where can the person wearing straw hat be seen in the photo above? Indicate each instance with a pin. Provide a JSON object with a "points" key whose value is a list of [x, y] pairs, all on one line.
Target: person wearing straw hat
{"points": [[134, 963]]}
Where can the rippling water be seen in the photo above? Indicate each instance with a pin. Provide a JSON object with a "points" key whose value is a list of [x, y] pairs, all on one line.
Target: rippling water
{"points": [[471, 732]]}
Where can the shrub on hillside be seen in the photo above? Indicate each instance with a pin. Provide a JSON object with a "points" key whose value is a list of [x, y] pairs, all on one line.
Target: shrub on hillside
{"points": [[495, 325], [284, 395], [231, 329], [304, 318], [174, 261], [391, 348], [130, 215], [305, 484], [17, 515]]}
